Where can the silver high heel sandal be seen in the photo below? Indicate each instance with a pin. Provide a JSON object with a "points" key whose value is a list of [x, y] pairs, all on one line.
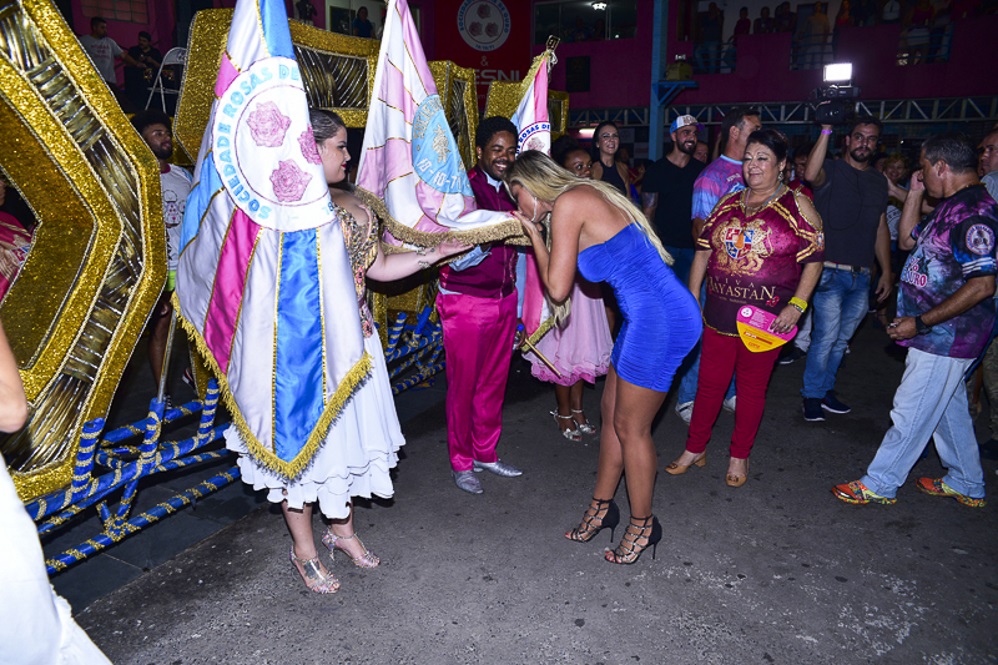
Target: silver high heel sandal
{"points": [[570, 434], [365, 560], [586, 427], [315, 579]]}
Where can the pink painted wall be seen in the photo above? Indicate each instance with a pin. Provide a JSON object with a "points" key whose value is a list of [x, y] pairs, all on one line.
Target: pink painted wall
{"points": [[965, 74], [762, 72], [162, 23], [619, 69], [427, 26]]}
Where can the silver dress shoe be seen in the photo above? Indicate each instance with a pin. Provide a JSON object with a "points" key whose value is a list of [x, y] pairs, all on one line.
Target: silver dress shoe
{"points": [[498, 467], [467, 481]]}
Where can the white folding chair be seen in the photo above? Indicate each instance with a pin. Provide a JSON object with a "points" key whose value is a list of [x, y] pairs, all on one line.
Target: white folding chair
{"points": [[175, 56]]}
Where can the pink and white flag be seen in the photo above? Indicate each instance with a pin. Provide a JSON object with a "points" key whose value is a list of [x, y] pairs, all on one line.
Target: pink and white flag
{"points": [[409, 161], [278, 327], [534, 133], [531, 118]]}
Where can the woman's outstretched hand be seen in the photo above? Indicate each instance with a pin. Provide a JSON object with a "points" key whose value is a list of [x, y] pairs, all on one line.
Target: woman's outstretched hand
{"points": [[452, 247]]}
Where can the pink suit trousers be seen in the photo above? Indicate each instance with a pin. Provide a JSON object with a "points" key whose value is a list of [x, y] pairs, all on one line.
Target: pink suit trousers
{"points": [[478, 341]]}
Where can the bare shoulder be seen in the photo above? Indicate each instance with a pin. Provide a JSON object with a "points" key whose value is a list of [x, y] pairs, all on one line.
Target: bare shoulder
{"points": [[594, 217], [579, 199]]}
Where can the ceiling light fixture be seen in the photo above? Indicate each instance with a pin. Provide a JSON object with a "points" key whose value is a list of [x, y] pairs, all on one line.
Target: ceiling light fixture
{"points": [[599, 6]]}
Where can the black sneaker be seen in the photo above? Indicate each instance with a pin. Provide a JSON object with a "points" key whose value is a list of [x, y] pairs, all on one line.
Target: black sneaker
{"points": [[793, 355], [832, 404], [812, 410]]}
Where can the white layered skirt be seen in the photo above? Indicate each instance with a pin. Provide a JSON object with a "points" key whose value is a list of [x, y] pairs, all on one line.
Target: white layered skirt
{"points": [[354, 460]]}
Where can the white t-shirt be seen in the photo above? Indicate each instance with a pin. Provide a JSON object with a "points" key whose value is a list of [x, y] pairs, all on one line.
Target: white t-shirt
{"points": [[176, 184], [103, 52]]}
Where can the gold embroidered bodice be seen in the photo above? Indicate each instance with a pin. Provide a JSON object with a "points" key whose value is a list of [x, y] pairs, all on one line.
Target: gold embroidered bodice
{"points": [[361, 238]]}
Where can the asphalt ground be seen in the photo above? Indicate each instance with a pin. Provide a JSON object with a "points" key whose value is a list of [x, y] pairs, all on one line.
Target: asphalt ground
{"points": [[777, 571]]}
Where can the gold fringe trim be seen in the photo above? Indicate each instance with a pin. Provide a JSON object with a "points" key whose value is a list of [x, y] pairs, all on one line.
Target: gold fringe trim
{"points": [[353, 380], [510, 232], [394, 249], [535, 66], [542, 330]]}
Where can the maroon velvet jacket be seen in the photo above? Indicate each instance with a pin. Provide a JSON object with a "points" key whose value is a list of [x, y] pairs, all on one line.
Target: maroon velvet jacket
{"points": [[495, 276]]}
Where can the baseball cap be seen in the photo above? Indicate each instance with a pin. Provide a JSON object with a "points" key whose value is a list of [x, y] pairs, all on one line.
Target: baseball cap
{"points": [[684, 121]]}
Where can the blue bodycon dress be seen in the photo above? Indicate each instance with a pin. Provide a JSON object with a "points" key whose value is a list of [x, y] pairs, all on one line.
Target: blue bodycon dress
{"points": [[662, 321]]}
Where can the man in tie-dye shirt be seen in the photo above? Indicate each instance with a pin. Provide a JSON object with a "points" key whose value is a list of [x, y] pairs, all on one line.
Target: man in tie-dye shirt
{"points": [[945, 315]]}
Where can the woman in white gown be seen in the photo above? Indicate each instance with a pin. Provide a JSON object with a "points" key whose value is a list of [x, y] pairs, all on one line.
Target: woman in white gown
{"points": [[362, 444]]}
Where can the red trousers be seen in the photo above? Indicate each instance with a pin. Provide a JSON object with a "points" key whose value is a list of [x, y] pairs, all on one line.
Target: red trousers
{"points": [[721, 356], [478, 341]]}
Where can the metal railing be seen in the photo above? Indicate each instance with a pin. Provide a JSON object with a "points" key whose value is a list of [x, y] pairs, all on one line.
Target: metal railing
{"points": [[109, 467]]}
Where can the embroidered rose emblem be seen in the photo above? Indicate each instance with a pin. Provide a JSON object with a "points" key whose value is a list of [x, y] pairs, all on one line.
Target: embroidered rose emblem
{"points": [[268, 125], [289, 181], [308, 148], [534, 143]]}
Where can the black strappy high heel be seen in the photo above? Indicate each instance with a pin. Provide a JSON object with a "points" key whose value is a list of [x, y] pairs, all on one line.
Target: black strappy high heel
{"points": [[601, 514], [630, 549]]}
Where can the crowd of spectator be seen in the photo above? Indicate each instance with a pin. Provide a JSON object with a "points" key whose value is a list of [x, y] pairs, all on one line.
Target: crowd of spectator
{"points": [[872, 207]]}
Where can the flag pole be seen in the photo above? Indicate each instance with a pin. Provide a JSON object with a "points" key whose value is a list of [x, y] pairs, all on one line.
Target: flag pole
{"points": [[530, 347]]}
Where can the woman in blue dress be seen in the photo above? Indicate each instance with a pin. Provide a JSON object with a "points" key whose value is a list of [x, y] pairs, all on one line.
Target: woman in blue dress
{"points": [[593, 225]]}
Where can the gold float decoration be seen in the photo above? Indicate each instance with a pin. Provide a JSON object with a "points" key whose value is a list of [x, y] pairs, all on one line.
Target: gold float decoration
{"points": [[558, 112], [456, 87], [98, 261]]}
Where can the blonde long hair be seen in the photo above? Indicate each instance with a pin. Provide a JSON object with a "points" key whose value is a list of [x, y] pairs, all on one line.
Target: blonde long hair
{"points": [[544, 178], [541, 176]]}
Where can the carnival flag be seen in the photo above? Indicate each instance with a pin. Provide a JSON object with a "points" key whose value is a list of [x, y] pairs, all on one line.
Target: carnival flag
{"points": [[534, 133], [409, 161], [531, 118], [280, 329]]}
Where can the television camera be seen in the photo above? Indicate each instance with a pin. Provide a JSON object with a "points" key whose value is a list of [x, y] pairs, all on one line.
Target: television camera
{"points": [[834, 101]]}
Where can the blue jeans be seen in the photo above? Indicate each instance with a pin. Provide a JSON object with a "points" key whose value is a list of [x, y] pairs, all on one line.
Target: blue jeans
{"points": [[689, 370], [840, 302], [931, 401]]}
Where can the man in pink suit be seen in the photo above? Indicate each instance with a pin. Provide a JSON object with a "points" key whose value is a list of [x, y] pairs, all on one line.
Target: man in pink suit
{"points": [[478, 311]]}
